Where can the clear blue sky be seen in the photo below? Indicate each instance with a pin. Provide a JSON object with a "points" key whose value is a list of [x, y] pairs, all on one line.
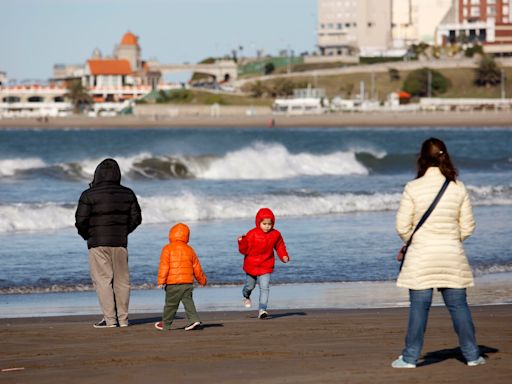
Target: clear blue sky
{"points": [[36, 34]]}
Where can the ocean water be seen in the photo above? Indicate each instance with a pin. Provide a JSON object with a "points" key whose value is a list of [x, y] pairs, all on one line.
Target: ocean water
{"points": [[334, 192]]}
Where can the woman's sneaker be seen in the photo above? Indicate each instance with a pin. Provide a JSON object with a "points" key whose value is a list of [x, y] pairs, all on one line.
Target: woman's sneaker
{"points": [[247, 302], [262, 314], [401, 363], [194, 326], [103, 324], [474, 363]]}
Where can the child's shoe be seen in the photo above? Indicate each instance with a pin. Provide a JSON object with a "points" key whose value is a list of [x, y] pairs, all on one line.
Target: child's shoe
{"points": [[401, 363], [194, 326], [262, 314], [159, 325], [247, 302], [474, 363]]}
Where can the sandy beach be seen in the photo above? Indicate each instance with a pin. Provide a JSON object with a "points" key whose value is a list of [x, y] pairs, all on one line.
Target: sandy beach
{"points": [[294, 346], [370, 119]]}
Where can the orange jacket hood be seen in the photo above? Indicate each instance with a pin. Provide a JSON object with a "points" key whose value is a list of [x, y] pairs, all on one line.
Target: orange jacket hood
{"points": [[179, 232]]}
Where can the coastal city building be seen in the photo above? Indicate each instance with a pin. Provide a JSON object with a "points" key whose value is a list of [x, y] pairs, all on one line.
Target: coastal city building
{"points": [[3, 78], [353, 27], [112, 82], [486, 22], [416, 21]]}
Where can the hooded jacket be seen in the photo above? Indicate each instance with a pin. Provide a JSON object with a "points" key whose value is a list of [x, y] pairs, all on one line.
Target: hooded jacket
{"points": [[258, 246], [107, 211], [435, 258], [178, 261]]}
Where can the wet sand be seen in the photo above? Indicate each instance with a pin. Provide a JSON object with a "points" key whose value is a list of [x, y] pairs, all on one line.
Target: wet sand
{"points": [[366, 119], [294, 346]]}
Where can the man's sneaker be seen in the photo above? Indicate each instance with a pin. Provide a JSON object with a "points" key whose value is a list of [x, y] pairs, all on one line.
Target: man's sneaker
{"points": [[122, 325], [400, 363], [103, 324], [474, 363], [159, 325], [247, 302], [263, 314], [194, 326]]}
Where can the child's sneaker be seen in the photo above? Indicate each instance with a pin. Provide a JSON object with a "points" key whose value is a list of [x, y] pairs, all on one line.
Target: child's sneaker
{"points": [[474, 363], [159, 325], [401, 363], [262, 314], [103, 324], [247, 302], [194, 326]]}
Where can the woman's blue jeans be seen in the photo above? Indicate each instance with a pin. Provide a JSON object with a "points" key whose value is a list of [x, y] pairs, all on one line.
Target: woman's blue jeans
{"points": [[264, 282], [455, 301]]}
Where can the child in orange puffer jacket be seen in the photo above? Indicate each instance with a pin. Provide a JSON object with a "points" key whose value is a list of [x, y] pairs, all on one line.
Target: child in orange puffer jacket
{"points": [[178, 267], [258, 248]]}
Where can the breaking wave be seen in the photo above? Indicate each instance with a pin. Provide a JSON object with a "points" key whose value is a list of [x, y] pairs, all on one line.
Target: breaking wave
{"points": [[9, 167], [188, 206], [257, 161]]}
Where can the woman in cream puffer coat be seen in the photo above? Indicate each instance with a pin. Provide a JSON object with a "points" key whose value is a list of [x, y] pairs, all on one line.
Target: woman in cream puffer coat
{"points": [[435, 257]]}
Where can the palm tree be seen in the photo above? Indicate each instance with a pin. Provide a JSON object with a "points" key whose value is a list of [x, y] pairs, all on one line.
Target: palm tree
{"points": [[78, 95]]}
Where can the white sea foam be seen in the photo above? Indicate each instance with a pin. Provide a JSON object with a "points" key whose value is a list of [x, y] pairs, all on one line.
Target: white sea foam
{"points": [[188, 206], [9, 167], [274, 161], [197, 207]]}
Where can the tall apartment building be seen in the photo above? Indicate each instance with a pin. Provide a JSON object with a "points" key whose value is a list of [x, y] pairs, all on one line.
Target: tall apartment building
{"points": [[415, 21], [353, 26], [487, 22]]}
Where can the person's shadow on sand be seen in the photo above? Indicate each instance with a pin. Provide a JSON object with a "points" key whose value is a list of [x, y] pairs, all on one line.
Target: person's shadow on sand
{"points": [[151, 320], [451, 353], [148, 320], [274, 316]]}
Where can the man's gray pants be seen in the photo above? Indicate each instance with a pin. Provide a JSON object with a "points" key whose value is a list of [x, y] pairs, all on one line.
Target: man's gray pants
{"points": [[111, 279]]}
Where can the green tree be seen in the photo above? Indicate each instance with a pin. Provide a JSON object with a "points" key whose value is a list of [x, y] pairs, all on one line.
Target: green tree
{"points": [[78, 95], [394, 75], [256, 89], [488, 73], [269, 68], [417, 82]]}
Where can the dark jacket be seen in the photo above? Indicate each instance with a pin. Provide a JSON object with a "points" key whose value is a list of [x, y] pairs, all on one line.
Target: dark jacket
{"points": [[107, 212]]}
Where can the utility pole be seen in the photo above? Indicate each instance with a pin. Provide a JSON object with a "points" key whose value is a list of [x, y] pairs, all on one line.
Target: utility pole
{"points": [[373, 86], [429, 84], [502, 84]]}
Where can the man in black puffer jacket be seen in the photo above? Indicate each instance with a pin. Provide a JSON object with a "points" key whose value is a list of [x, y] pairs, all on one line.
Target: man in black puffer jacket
{"points": [[107, 212]]}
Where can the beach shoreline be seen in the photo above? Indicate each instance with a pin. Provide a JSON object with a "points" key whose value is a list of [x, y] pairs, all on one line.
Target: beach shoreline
{"points": [[491, 289], [294, 346], [342, 120]]}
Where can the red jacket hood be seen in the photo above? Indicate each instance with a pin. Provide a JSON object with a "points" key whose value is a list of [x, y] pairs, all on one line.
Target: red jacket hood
{"points": [[179, 232], [265, 213]]}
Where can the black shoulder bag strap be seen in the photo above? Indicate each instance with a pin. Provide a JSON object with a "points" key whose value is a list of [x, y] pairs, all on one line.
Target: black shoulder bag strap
{"points": [[424, 218]]}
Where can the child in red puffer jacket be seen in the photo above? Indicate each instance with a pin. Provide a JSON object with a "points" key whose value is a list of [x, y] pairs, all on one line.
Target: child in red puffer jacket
{"points": [[258, 248]]}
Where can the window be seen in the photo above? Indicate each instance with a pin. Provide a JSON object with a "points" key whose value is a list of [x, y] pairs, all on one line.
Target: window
{"points": [[491, 11], [35, 99], [475, 11], [370, 24], [340, 26], [347, 25]]}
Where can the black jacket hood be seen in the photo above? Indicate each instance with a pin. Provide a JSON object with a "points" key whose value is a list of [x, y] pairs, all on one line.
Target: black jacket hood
{"points": [[107, 171]]}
